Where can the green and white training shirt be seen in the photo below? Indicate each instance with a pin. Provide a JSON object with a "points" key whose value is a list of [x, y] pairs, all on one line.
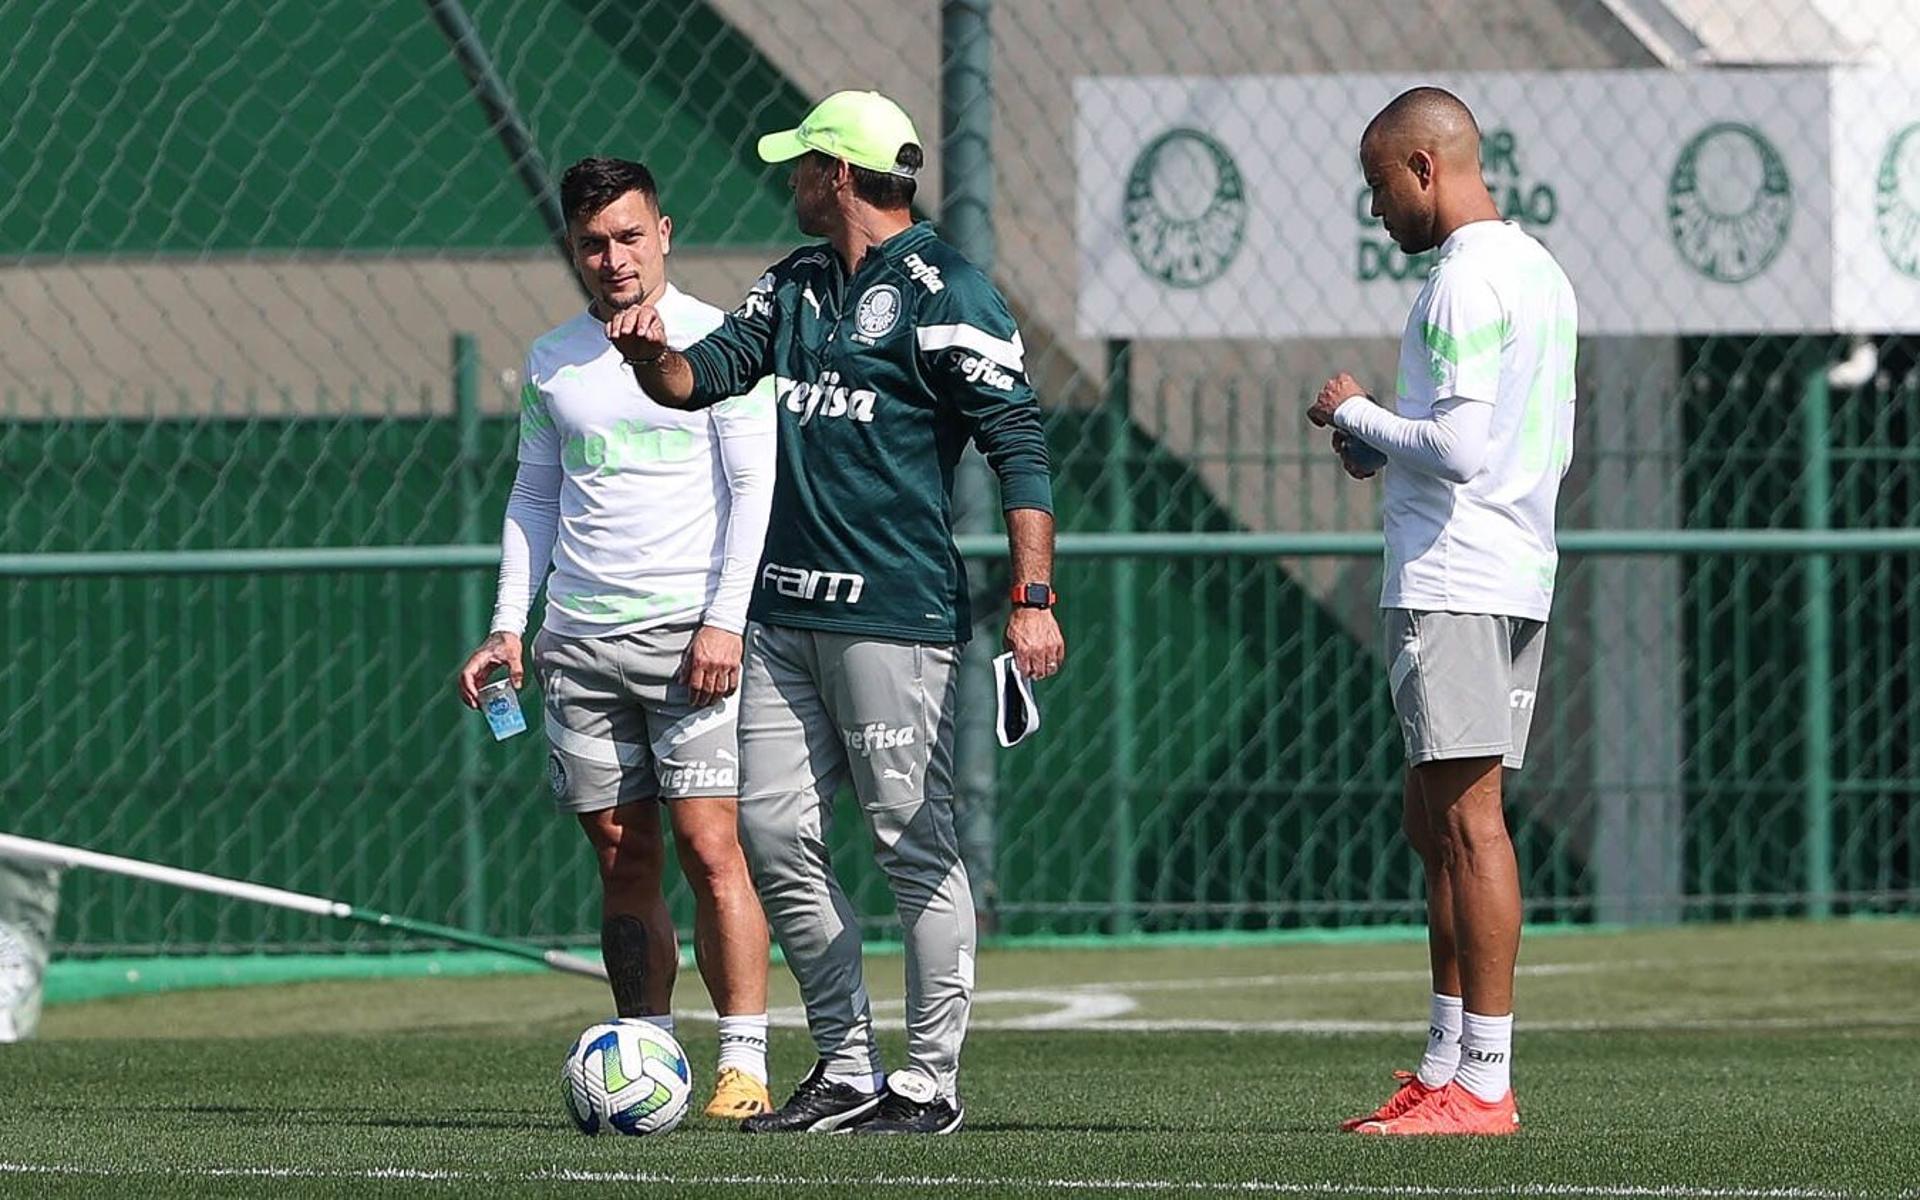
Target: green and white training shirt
{"points": [[1495, 326], [881, 377]]}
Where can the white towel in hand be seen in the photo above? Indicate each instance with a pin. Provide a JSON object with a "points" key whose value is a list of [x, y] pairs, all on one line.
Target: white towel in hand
{"points": [[1015, 713]]}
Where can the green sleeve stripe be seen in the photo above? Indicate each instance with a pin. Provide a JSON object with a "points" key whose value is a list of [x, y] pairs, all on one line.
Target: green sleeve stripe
{"points": [[1457, 349], [533, 413]]}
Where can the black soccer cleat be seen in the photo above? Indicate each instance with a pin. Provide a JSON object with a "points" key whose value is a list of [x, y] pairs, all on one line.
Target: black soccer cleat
{"points": [[816, 1106], [912, 1104]]}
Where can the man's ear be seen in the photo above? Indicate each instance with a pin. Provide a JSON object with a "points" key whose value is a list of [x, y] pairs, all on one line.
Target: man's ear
{"points": [[1421, 164], [666, 235]]}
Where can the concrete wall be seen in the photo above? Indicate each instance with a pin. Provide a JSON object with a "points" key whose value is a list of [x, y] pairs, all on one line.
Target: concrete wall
{"points": [[272, 335]]}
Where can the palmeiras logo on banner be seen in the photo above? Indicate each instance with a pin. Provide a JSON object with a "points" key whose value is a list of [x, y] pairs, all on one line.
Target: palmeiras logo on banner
{"points": [[1186, 209], [1896, 201], [1729, 202]]}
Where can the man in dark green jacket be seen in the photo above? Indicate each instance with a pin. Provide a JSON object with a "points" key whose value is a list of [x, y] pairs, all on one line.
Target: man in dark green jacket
{"points": [[889, 351]]}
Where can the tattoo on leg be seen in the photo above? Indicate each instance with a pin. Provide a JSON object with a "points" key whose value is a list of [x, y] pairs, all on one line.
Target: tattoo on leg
{"points": [[623, 944]]}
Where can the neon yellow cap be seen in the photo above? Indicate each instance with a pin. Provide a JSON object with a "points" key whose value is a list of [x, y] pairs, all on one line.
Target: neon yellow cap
{"points": [[865, 128]]}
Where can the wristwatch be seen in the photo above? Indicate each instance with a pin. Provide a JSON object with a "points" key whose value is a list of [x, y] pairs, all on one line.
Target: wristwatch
{"points": [[1034, 595]]}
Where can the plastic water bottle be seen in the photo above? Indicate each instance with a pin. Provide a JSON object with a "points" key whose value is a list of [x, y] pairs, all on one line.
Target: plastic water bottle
{"points": [[502, 708]]}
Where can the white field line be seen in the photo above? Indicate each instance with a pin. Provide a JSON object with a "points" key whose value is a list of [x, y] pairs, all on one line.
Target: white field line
{"points": [[1056, 993], [1104, 1006], [1335, 1027], [922, 1182], [1525, 970]]}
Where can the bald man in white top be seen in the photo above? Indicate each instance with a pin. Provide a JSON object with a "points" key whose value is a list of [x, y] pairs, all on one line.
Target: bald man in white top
{"points": [[1475, 442]]}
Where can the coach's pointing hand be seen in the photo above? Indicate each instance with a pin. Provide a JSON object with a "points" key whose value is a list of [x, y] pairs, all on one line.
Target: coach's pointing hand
{"points": [[1333, 393], [499, 650], [638, 333]]}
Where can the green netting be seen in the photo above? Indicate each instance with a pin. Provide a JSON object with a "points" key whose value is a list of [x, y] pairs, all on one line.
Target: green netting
{"points": [[236, 238]]}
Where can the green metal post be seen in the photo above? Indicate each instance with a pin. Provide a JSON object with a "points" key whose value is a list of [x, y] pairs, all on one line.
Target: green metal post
{"points": [[1817, 635], [966, 221], [966, 129], [473, 619], [1122, 648]]}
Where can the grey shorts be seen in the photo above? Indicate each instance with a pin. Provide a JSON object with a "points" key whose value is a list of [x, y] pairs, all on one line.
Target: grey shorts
{"points": [[621, 726], [1464, 684]]}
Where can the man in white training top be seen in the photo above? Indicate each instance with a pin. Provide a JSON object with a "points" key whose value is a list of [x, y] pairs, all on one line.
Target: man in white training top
{"points": [[652, 521], [1476, 441]]}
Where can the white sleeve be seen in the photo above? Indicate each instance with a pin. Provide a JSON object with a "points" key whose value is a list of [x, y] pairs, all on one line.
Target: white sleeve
{"points": [[526, 543], [1466, 329], [1451, 444], [539, 439], [746, 430]]}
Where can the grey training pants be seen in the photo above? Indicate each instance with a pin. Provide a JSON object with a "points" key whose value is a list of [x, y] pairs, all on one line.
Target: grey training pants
{"points": [[818, 710]]}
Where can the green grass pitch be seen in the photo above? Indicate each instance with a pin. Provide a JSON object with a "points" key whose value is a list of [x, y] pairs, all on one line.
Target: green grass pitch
{"points": [[1774, 1061]]}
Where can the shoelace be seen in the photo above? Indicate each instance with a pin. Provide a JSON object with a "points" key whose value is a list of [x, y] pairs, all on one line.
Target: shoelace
{"points": [[894, 1106], [1445, 1104], [821, 1087]]}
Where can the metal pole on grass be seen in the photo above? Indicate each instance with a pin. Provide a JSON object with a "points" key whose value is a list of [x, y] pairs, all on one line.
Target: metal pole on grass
{"points": [[52, 854], [1817, 636], [1119, 498], [966, 220], [473, 615]]}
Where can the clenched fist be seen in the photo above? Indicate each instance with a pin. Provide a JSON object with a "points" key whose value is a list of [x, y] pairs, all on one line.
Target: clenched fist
{"points": [[638, 333], [1333, 393]]}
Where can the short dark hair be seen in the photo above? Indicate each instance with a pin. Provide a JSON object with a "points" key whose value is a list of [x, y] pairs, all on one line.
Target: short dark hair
{"points": [[593, 183], [888, 191]]}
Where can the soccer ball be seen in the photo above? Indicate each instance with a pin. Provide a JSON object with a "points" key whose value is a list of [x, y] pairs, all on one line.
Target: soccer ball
{"points": [[629, 1076]]}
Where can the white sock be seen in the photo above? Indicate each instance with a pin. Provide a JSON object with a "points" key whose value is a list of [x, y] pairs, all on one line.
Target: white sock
{"points": [[743, 1044], [1486, 1055], [1442, 1059], [869, 1084]]}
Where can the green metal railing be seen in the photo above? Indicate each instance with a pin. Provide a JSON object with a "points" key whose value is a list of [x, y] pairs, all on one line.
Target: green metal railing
{"points": [[1574, 543], [475, 563]]}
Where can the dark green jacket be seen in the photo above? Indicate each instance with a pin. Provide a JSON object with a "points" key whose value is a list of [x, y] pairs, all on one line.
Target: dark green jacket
{"points": [[880, 380]]}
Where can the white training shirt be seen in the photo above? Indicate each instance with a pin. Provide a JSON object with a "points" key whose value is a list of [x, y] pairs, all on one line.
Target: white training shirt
{"points": [[649, 516], [1469, 504]]}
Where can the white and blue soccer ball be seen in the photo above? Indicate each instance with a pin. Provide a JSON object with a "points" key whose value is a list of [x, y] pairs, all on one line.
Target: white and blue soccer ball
{"points": [[627, 1076]]}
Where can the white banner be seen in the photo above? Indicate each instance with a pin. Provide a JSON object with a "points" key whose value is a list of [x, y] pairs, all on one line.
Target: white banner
{"points": [[1679, 202], [1876, 201]]}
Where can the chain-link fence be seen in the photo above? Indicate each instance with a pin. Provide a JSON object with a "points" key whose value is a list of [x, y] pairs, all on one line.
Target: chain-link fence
{"points": [[241, 241]]}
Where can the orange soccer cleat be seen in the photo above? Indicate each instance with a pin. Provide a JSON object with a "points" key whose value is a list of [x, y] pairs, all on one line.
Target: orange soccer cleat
{"points": [[737, 1096], [1410, 1093], [1451, 1110]]}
